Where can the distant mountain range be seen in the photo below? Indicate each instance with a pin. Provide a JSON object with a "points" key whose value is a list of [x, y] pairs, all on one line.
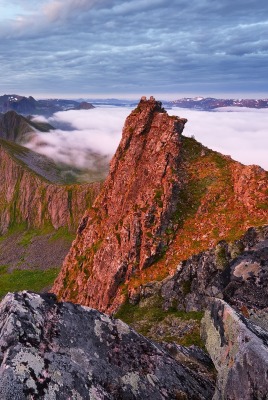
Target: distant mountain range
{"points": [[198, 103], [209, 103], [28, 105]]}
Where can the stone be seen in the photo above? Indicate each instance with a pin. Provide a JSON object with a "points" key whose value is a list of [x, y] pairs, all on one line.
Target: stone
{"points": [[239, 351], [60, 351], [236, 272]]}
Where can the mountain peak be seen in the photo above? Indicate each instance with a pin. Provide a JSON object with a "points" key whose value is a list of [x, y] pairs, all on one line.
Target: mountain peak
{"points": [[166, 198], [126, 230]]}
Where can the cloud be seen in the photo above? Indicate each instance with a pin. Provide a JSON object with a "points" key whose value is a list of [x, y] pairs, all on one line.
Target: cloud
{"points": [[238, 132], [241, 133], [119, 46], [96, 131]]}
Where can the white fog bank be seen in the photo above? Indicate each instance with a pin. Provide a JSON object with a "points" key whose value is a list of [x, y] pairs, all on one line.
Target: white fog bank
{"points": [[240, 133]]}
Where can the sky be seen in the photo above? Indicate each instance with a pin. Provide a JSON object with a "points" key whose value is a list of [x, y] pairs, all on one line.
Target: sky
{"points": [[128, 48], [240, 133]]}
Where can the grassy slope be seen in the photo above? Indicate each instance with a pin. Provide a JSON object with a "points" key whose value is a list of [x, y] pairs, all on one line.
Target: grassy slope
{"points": [[31, 259], [207, 211]]}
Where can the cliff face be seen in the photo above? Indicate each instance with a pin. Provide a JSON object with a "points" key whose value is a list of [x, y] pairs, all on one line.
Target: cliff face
{"points": [[166, 198], [127, 229], [27, 198]]}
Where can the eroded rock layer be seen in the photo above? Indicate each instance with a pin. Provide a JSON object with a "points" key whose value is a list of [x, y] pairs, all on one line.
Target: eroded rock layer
{"points": [[62, 351], [127, 229]]}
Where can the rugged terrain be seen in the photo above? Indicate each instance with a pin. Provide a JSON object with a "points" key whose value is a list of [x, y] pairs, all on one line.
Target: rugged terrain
{"points": [[166, 198], [26, 198], [161, 212], [171, 309], [62, 351], [40, 207]]}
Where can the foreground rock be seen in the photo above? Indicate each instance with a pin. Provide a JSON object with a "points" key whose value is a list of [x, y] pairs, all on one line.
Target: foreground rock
{"points": [[239, 350], [62, 351]]}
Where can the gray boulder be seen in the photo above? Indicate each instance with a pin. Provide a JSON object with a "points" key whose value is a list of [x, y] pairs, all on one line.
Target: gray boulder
{"points": [[239, 350], [61, 351]]}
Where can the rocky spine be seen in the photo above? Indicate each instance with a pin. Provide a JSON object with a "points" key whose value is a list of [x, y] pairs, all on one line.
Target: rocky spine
{"points": [[126, 231]]}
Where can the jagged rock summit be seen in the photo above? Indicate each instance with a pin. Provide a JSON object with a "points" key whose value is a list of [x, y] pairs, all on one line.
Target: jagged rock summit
{"points": [[126, 230]]}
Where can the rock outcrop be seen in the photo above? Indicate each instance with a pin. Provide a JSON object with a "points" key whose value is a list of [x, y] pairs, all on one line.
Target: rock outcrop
{"points": [[26, 198], [239, 350], [62, 351], [166, 198], [126, 231], [236, 272]]}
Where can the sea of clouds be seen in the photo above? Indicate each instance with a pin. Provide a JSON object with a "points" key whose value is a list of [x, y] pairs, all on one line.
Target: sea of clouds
{"points": [[239, 132]]}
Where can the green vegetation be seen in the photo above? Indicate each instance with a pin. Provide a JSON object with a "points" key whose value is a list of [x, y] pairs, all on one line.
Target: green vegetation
{"points": [[221, 256], [146, 317], [34, 280]]}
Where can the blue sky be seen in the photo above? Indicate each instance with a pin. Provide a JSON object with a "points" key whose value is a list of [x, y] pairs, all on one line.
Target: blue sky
{"points": [[169, 49]]}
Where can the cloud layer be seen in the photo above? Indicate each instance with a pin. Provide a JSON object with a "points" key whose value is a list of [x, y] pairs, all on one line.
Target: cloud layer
{"points": [[134, 46], [241, 133], [95, 131]]}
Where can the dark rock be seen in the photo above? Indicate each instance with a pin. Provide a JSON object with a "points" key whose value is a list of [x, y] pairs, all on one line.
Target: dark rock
{"points": [[239, 350], [237, 273], [62, 351]]}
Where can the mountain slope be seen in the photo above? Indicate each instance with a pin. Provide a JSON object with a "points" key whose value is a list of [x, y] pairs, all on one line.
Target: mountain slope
{"points": [[15, 127], [26, 197], [162, 188]]}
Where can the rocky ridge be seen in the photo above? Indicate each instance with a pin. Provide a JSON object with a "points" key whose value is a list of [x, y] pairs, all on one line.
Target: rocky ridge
{"points": [[16, 128], [29, 105], [236, 272], [125, 231], [166, 198]]}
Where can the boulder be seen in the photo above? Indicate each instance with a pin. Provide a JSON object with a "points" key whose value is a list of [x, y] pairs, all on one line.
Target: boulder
{"points": [[239, 350], [60, 351]]}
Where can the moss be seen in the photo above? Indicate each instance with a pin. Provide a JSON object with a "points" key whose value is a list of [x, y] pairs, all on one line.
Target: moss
{"points": [[118, 237], [186, 287], [63, 233], [34, 280], [221, 255], [144, 316], [96, 246], [263, 206]]}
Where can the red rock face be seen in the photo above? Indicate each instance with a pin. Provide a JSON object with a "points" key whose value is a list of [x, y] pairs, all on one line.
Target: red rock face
{"points": [[26, 198], [129, 226]]}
